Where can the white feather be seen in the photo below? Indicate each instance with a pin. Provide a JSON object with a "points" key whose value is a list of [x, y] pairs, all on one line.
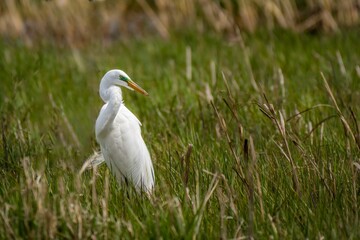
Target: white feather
{"points": [[119, 135]]}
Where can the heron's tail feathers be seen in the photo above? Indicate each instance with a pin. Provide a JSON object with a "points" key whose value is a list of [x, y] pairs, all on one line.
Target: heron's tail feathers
{"points": [[94, 160]]}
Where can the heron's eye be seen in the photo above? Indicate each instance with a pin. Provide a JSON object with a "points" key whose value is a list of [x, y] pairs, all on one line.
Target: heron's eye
{"points": [[123, 78]]}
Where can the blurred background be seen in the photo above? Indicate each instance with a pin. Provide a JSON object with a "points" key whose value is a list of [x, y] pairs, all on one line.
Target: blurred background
{"points": [[79, 22]]}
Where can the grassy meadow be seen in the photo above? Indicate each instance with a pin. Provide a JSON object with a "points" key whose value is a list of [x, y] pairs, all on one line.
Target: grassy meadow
{"points": [[251, 136]]}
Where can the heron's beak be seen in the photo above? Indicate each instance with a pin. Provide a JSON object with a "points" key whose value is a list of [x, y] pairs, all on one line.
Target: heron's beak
{"points": [[136, 87]]}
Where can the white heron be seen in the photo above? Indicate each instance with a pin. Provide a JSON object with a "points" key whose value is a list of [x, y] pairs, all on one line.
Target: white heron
{"points": [[119, 135]]}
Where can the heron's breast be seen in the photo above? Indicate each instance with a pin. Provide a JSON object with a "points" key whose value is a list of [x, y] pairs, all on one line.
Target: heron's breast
{"points": [[121, 134]]}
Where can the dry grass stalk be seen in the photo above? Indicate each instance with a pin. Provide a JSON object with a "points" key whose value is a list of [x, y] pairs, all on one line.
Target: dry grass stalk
{"points": [[213, 72], [66, 122], [282, 83], [222, 203], [185, 163], [346, 125], [105, 200], [273, 225], [10, 234], [230, 194], [96, 159], [35, 192], [248, 16], [272, 10], [201, 209], [174, 206], [250, 156], [216, 16], [188, 63], [223, 126], [93, 189], [247, 61], [73, 22], [341, 63], [153, 16], [279, 121]]}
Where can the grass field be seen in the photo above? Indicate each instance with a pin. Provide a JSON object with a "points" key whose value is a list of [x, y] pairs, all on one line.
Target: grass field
{"points": [[275, 152]]}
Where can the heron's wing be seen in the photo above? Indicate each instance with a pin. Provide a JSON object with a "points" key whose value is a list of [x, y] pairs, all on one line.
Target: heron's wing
{"points": [[129, 156], [129, 115]]}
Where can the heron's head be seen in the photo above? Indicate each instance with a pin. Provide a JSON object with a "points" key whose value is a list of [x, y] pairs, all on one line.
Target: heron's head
{"points": [[119, 78]]}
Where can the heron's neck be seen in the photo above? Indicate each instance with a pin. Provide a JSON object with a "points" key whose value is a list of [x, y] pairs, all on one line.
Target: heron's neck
{"points": [[113, 104], [115, 96], [113, 99]]}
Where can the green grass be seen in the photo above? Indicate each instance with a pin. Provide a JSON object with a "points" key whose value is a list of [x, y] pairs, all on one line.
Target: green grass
{"points": [[243, 180]]}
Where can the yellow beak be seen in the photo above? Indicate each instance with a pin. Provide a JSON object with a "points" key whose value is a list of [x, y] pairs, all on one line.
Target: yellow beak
{"points": [[136, 87]]}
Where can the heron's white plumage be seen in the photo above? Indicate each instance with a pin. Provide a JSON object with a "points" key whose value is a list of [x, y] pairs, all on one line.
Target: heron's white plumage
{"points": [[119, 135]]}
